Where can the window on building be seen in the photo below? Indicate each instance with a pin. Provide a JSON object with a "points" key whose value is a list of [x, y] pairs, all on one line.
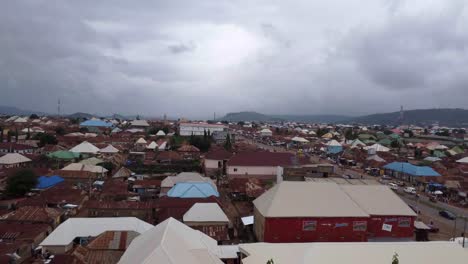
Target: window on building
{"points": [[235, 169], [309, 225], [404, 222], [359, 226]]}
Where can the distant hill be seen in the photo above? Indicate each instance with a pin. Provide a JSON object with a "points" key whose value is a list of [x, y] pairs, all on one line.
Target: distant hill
{"points": [[10, 110], [81, 115], [445, 117], [254, 116]]}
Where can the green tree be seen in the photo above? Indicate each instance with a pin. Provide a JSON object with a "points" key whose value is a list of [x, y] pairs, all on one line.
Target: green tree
{"points": [[395, 144], [228, 144], [46, 139], [16, 134], [21, 182], [395, 259], [33, 116], [241, 123], [9, 135], [107, 165], [60, 131], [84, 130], [28, 135], [1, 134]]}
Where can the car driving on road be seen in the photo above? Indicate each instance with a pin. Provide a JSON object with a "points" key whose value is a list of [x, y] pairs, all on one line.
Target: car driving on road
{"points": [[447, 214]]}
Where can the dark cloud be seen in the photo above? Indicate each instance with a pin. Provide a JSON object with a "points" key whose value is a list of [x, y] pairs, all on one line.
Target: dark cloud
{"points": [[181, 47], [154, 57]]}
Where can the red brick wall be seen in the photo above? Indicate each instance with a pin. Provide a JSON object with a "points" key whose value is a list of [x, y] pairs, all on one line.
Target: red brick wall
{"points": [[281, 230]]}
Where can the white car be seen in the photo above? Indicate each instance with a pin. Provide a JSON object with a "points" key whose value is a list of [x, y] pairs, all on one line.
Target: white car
{"points": [[410, 190], [393, 186]]}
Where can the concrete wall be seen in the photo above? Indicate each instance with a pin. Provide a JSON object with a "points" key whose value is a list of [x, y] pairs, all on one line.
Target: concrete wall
{"points": [[251, 170], [212, 164], [259, 225]]}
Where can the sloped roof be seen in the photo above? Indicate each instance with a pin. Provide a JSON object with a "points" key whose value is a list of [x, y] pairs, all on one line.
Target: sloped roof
{"points": [[300, 139], [109, 149], [91, 161], [140, 123], [412, 169], [218, 154], [170, 181], [172, 242], [193, 190], [63, 155], [378, 148], [65, 233], [463, 160], [205, 212], [85, 147], [96, 123], [375, 158], [122, 173], [84, 167], [306, 199], [141, 141], [334, 143], [160, 133], [378, 200], [152, 145], [13, 158]]}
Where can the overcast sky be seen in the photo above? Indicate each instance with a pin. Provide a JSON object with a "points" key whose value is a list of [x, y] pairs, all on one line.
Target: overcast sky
{"points": [[193, 58]]}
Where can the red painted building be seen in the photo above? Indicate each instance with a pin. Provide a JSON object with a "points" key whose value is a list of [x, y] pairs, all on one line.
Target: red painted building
{"points": [[328, 212], [308, 212], [389, 215]]}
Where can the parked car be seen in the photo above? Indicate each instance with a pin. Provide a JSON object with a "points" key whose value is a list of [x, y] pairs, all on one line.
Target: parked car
{"points": [[393, 186], [447, 214], [410, 190], [386, 177]]}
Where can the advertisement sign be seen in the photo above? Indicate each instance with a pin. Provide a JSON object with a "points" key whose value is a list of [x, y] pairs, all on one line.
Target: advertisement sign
{"points": [[387, 227]]}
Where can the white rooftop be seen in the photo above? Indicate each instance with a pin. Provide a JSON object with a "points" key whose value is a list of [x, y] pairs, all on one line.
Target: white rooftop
{"points": [[141, 141], [13, 158], [109, 149], [84, 167], [205, 212], [65, 233], [307, 199], [355, 253], [85, 147], [172, 242], [378, 200]]}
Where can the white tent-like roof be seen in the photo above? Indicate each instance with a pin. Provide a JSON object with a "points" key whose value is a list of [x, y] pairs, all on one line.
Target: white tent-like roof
{"points": [[162, 146], [334, 143], [299, 139], [357, 143], [463, 160], [109, 149], [160, 133], [205, 212], [85, 147], [72, 228], [172, 242], [13, 158], [378, 147], [141, 141], [152, 145], [123, 173]]}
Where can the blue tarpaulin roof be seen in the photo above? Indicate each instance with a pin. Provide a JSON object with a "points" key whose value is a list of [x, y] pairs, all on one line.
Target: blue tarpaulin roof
{"points": [[95, 123], [193, 190], [411, 169], [45, 182]]}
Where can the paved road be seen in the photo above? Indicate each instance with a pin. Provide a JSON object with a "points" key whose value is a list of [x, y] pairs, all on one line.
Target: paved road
{"points": [[430, 212]]}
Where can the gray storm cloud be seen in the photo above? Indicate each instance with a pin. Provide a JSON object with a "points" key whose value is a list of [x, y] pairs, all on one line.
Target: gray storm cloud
{"points": [[195, 58]]}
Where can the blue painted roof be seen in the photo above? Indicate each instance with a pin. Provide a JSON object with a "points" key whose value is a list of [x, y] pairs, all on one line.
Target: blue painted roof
{"points": [[412, 169], [45, 182], [95, 123], [334, 149], [193, 190]]}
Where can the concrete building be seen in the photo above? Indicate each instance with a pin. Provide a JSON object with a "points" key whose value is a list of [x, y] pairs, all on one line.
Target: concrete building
{"points": [[198, 129]]}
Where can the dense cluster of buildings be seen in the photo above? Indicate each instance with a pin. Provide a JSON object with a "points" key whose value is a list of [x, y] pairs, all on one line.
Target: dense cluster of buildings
{"points": [[158, 191]]}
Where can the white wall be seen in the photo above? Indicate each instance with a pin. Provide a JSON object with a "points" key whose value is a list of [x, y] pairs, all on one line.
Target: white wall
{"points": [[251, 170], [188, 130], [212, 164]]}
